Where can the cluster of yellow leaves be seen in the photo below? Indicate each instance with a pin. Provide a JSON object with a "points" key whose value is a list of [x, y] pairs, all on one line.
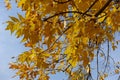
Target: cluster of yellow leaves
{"points": [[30, 65], [28, 72], [8, 5], [61, 34]]}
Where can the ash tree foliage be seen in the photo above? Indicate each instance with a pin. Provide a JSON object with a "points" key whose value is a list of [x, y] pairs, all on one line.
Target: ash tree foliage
{"points": [[66, 36]]}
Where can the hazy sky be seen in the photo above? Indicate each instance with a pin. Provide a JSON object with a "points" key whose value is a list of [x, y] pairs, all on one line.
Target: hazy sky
{"points": [[10, 46]]}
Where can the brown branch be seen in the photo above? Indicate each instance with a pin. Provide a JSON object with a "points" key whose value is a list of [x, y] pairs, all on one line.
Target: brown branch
{"points": [[61, 13], [103, 8], [90, 6], [60, 2]]}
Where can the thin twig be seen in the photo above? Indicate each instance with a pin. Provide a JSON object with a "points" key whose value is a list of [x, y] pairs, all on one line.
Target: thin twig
{"points": [[97, 64], [107, 57], [67, 67]]}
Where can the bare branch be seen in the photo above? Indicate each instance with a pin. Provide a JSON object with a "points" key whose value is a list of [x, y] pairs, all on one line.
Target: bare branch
{"points": [[98, 64], [107, 56]]}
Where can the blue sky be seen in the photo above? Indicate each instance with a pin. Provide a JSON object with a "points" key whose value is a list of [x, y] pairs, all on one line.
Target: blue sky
{"points": [[10, 46]]}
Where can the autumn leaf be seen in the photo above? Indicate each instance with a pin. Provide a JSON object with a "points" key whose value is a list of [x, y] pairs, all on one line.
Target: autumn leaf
{"points": [[8, 5]]}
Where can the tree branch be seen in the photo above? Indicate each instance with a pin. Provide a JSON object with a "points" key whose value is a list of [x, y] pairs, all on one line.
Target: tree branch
{"points": [[90, 6], [103, 8], [61, 13], [107, 60], [60, 2]]}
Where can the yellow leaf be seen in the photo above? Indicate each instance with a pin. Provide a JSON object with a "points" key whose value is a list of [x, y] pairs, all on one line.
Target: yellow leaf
{"points": [[21, 2], [32, 56], [101, 17], [73, 62], [105, 75], [85, 40], [20, 17], [113, 46], [53, 72], [19, 33], [28, 44], [13, 66], [119, 29], [8, 5], [109, 21], [46, 54], [14, 19], [117, 71], [10, 25]]}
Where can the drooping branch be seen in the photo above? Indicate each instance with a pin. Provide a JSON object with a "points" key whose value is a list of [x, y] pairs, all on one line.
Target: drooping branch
{"points": [[103, 8], [61, 2], [61, 13]]}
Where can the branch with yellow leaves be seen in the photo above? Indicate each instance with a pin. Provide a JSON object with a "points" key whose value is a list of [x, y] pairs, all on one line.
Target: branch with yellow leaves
{"points": [[103, 8], [61, 13]]}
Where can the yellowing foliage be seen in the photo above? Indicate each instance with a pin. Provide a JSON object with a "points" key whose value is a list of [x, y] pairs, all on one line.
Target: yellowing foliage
{"points": [[62, 35], [8, 5]]}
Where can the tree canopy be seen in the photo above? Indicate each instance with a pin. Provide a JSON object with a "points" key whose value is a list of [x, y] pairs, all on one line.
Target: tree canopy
{"points": [[65, 35]]}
